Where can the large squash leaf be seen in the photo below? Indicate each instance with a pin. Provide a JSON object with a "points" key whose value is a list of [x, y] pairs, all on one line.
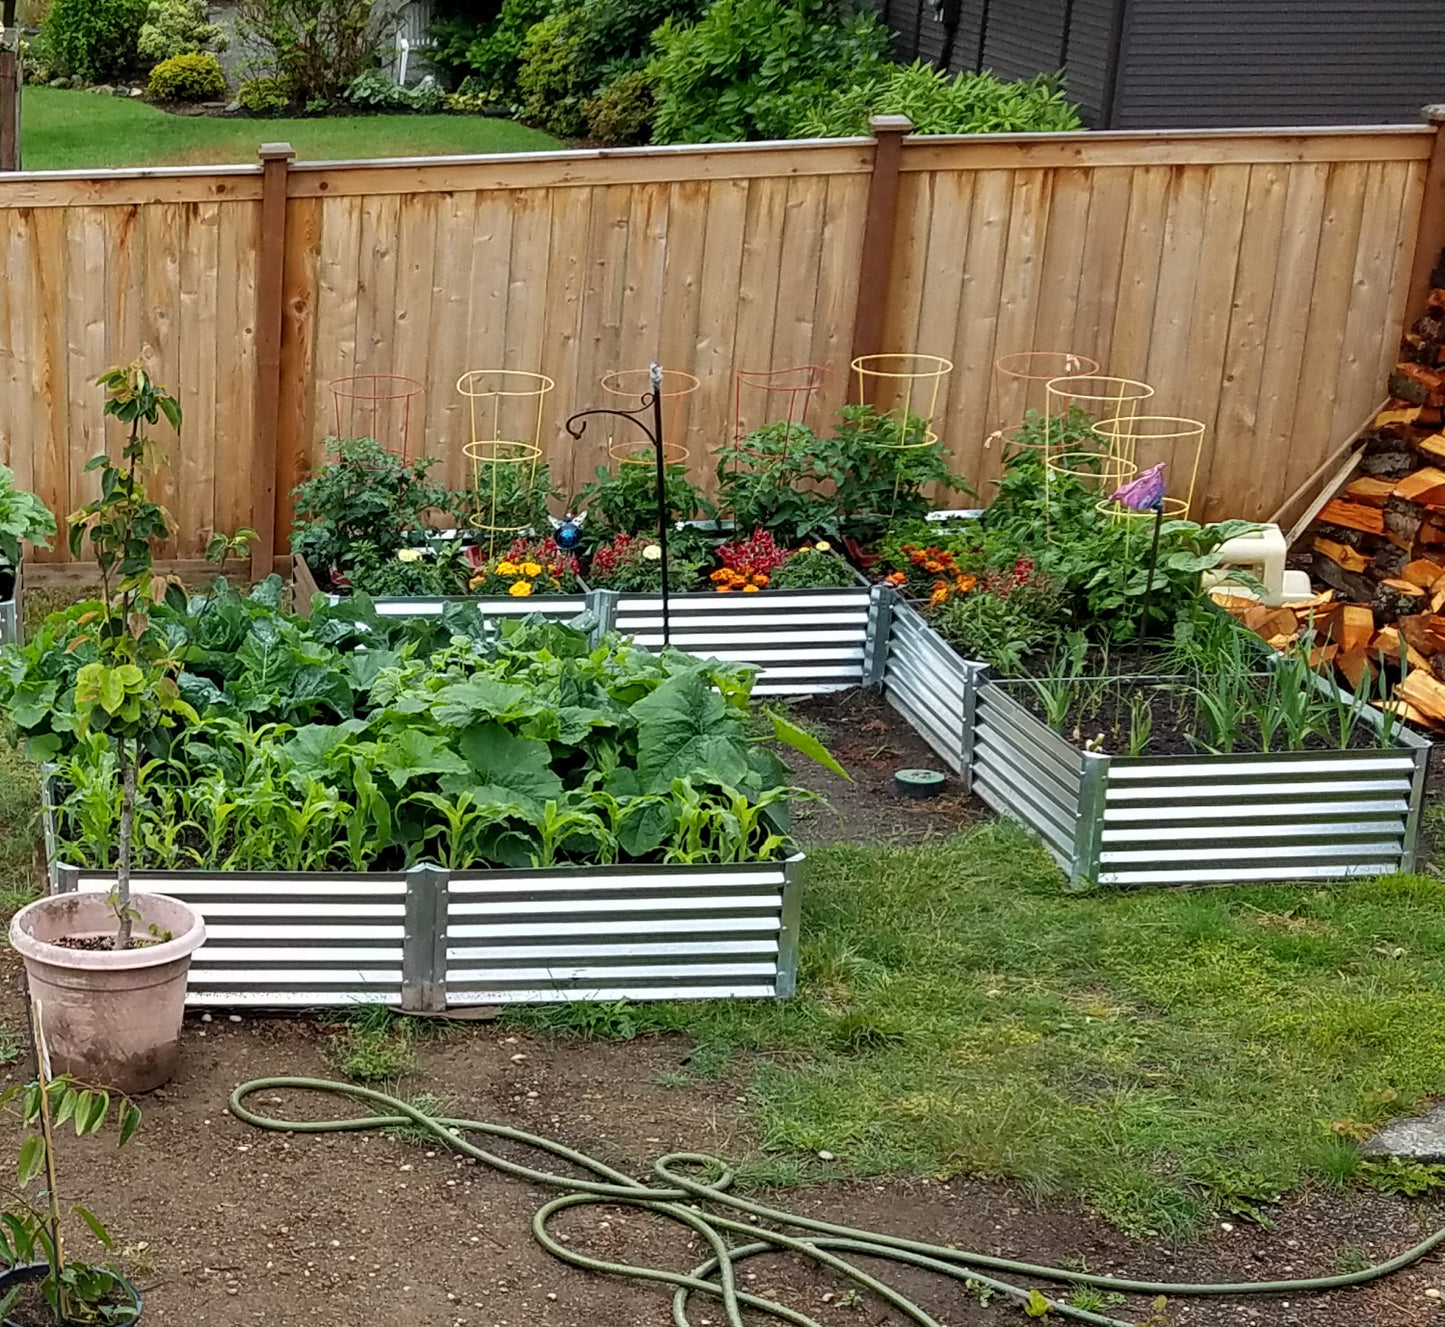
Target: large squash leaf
{"points": [[686, 728]]}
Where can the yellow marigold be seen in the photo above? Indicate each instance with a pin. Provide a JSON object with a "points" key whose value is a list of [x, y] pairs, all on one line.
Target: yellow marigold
{"points": [[521, 588], [940, 593], [964, 582], [822, 546], [721, 576], [751, 589], [477, 581], [505, 568], [724, 589], [533, 569]]}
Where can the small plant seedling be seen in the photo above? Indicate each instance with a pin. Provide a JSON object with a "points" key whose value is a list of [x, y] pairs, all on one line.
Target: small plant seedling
{"points": [[1397, 1175]]}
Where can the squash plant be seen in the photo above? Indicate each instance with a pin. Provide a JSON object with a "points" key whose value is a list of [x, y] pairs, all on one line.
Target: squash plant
{"points": [[32, 1227], [22, 516], [128, 691]]}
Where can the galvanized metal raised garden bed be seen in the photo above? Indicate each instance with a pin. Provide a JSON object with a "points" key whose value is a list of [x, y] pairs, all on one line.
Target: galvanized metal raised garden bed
{"points": [[1157, 820], [803, 642], [429, 940], [12, 619]]}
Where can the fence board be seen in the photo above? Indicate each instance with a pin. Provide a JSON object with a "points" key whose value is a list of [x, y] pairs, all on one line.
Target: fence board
{"points": [[1221, 266]]}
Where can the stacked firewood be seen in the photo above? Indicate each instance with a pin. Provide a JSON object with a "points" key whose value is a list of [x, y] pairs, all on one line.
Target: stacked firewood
{"points": [[1376, 550]]}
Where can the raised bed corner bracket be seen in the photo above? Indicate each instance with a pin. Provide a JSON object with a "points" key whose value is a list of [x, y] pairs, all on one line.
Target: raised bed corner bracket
{"points": [[424, 941]]}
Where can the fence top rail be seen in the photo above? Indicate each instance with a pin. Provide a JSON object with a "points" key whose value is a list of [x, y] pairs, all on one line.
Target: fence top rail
{"points": [[1185, 147]]}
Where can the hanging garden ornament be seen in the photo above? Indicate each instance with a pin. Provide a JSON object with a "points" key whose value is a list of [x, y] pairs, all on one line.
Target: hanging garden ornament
{"points": [[1145, 493], [568, 531]]}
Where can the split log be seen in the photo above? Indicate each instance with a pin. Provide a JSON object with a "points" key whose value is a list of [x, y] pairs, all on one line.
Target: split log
{"points": [[1434, 445], [1322, 655], [1373, 492], [1270, 623], [1388, 645], [1424, 486], [1355, 515], [1395, 415], [1357, 627], [1351, 559], [1425, 632], [1425, 692], [1404, 710], [1422, 572], [1356, 668]]}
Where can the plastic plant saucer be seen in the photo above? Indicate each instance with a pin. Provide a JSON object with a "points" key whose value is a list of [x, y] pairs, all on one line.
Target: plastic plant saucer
{"points": [[918, 782]]}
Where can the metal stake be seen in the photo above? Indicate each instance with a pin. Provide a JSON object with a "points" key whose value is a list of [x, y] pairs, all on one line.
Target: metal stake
{"points": [[651, 402]]}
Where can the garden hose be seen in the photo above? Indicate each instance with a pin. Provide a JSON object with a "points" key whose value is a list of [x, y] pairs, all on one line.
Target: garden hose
{"points": [[679, 1196]]}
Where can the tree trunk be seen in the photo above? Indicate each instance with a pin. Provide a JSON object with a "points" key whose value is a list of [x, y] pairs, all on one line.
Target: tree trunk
{"points": [[127, 824]]}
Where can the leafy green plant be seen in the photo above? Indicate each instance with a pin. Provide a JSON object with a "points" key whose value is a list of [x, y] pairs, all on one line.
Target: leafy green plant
{"points": [[178, 27], [1398, 1175], [513, 498], [95, 39], [752, 69], [632, 564], [484, 56], [622, 113], [814, 567], [1007, 616], [363, 501], [127, 692], [939, 103], [33, 1229], [22, 516], [193, 77], [551, 76], [315, 47], [375, 90], [772, 480], [267, 95], [441, 739], [625, 501]]}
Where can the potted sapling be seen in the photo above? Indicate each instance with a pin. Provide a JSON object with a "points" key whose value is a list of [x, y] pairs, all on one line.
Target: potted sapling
{"points": [[22, 516], [108, 971], [40, 1284]]}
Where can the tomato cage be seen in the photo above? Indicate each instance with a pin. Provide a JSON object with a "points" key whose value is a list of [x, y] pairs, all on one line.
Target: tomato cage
{"points": [[505, 449], [376, 406]]}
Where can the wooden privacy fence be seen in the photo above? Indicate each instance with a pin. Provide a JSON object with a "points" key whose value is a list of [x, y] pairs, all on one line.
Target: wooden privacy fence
{"points": [[1257, 279]]}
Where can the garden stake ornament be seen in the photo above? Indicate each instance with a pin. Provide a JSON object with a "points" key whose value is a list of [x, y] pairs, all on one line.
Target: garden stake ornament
{"points": [[1146, 494], [651, 404]]}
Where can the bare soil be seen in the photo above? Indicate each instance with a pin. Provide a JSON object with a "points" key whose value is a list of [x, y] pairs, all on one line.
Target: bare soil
{"points": [[224, 1225], [872, 743]]}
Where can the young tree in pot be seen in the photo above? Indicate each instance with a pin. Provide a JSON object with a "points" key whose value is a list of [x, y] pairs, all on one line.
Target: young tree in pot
{"points": [[115, 1016], [32, 1230]]}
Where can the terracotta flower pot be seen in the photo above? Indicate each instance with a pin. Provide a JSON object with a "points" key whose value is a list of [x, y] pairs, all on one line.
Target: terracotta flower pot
{"points": [[112, 1018]]}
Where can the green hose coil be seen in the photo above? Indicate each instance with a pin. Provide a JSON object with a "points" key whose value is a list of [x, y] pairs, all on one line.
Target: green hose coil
{"points": [[679, 1197]]}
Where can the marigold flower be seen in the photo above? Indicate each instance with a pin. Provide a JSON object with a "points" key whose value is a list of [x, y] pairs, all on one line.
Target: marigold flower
{"points": [[521, 588], [724, 589], [751, 589], [721, 575], [532, 569], [897, 578], [916, 557], [940, 593], [933, 565], [822, 546], [477, 581], [964, 582], [505, 568], [760, 580], [653, 552], [408, 555]]}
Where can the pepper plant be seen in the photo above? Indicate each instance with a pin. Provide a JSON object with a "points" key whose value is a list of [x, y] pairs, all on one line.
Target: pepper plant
{"points": [[128, 691]]}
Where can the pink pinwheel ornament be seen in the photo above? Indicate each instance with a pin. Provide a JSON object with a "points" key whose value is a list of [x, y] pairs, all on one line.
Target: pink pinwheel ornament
{"points": [[1145, 493]]}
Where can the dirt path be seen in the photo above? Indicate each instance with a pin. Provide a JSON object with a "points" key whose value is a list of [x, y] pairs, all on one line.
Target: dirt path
{"points": [[230, 1226]]}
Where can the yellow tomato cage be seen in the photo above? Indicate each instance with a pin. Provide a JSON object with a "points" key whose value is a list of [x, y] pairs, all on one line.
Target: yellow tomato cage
{"points": [[505, 408]]}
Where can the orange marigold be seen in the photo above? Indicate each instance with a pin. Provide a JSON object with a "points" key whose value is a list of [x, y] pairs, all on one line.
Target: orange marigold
{"points": [[897, 578], [940, 593], [760, 580], [933, 565], [964, 582], [721, 575], [751, 589]]}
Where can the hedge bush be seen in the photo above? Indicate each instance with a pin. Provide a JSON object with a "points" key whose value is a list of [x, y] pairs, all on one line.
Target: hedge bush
{"points": [[177, 27], [264, 96], [194, 77], [96, 39]]}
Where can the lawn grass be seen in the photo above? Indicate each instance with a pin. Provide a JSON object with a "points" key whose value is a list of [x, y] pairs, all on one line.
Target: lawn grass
{"points": [[1160, 1054], [67, 130]]}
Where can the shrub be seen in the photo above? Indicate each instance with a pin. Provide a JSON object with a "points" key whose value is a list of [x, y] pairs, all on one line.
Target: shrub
{"points": [[195, 77], [178, 27], [264, 96], [623, 111], [94, 38], [549, 73], [754, 68], [317, 47], [938, 104], [487, 54]]}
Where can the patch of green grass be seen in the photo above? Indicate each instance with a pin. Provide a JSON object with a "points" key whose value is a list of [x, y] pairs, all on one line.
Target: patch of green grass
{"points": [[19, 828], [12, 1046], [372, 1044], [1163, 1055], [65, 130]]}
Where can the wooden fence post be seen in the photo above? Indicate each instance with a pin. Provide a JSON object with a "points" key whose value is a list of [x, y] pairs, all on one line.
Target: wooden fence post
{"points": [[10, 81], [1430, 238], [878, 232], [276, 161]]}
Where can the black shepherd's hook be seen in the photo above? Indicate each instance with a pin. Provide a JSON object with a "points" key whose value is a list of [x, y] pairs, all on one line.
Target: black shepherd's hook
{"points": [[651, 401]]}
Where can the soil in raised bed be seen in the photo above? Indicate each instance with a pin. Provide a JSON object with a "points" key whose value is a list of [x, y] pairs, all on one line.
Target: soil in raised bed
{"points": [[872, 741], [1104, 722], [227, 1226]]}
